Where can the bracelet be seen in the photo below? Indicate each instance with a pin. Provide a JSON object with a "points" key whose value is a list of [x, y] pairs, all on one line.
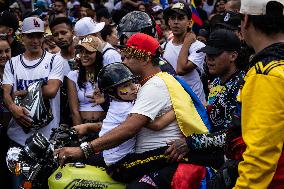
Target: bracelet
{"points": [[87, 150]]}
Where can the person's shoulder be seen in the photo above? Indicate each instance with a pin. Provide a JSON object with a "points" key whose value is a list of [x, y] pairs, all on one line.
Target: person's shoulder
{"points": [[166, 44], [73, 74], [107, 45], [154, 82], [109, 50], [198, 44], [16, 58]]}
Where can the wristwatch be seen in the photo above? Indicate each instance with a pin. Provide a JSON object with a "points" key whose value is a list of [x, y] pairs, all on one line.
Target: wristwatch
{"points": [[87, 150]]}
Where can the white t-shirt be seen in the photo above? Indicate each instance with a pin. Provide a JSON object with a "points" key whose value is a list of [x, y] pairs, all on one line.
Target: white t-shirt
{"points": [[110, 55], [192, 78], [84, 104], [208, 8], [66, 67], [117, 113], [153, 100], [20, 74]]}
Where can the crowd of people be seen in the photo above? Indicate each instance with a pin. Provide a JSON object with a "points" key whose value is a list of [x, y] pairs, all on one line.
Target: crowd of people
{"points": [[176, 94]]}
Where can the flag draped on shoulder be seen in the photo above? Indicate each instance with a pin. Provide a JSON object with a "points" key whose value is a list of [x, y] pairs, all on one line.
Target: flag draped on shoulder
{"points": [[189, 118]]}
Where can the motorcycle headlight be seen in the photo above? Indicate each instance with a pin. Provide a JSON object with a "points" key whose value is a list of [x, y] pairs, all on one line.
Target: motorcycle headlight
{"points": [[15, 160], [37, 146]]}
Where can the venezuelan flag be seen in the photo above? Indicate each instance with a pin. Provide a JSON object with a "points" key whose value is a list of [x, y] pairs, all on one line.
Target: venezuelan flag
{"points": [[190, 113], [195, 16]]}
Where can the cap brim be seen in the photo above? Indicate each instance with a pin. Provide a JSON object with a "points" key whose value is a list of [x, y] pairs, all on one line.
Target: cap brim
{"points": [[34, 31], [86, 46], [170, 11], [99, 27], [210, 50]]}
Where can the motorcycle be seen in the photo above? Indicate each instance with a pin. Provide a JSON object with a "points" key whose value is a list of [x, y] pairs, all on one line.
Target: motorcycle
{"points": [[38, 166]]}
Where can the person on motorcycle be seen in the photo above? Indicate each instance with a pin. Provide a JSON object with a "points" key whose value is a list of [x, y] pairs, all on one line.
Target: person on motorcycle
{"points": [[222, 57], [117, 81], [142, 54]]}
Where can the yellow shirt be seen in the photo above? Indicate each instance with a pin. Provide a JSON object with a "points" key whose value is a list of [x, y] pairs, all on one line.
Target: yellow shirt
{"points": [[262, 99]]}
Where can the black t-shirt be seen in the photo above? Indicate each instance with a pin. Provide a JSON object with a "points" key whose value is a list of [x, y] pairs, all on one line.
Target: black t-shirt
{"points": [[17, 48]]}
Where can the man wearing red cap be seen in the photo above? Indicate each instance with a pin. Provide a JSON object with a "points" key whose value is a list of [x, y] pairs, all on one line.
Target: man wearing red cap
{"points": [[153, 100]]}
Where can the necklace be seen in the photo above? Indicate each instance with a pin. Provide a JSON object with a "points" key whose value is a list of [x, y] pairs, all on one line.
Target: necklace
{"points": [[144, 80], [91, 77]]}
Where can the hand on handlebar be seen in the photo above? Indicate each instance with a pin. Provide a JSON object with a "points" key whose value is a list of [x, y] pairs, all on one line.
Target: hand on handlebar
{"points": [[68, 154]]}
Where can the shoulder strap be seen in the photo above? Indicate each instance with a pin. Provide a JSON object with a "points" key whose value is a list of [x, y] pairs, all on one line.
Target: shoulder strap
{"points": [[109, 49], [165, 46]]}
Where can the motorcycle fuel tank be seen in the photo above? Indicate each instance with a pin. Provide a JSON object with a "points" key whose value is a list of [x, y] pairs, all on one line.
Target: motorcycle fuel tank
{"points": [[81, 176]]}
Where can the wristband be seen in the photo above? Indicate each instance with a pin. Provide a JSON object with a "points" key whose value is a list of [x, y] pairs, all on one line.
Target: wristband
{"points": [[87, 150]]}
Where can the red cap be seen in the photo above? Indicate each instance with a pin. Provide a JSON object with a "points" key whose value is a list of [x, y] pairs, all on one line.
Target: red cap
{"points": [[143, 43]]}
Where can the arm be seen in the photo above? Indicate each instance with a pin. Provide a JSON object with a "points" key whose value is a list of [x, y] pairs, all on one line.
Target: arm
{"points": [[74, 104], [129, 128], [19, 113], [55, 79], [183, 64], [50, 90], [163, 121], [199, 143], [84, 129], [207, 142], [262, 130]]}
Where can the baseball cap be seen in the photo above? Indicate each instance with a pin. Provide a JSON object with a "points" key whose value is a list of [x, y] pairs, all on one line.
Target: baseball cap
{"points": [[86, 26], [9, 19], [221, 40], [143, 43], [157, 9], [257, 7], [91, 43], [228, 20], [32, 25], [180, 8]]}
